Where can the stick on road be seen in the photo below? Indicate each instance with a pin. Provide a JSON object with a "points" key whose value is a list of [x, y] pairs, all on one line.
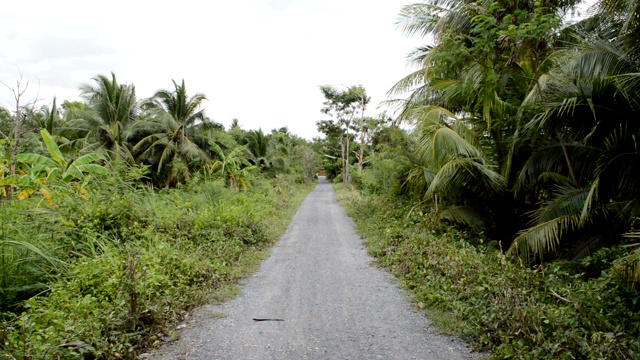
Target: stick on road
{"points": [[334, 304]]}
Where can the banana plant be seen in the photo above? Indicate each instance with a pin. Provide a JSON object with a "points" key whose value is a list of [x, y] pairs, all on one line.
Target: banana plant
{"points": [[39, 171], [232, 167]]}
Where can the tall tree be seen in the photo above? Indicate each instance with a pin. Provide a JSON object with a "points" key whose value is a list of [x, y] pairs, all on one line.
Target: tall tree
{"points": [[362, 124], [174, 139], [330, 146], [486, 58], [342, 106], [584, 133], [107, 127]]}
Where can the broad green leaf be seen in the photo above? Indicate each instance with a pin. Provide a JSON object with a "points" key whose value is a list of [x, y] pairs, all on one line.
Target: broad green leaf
{"points": [[10, 180], [36, 159], [55, 174], [88, 158], [53, 148], [93, 169]]}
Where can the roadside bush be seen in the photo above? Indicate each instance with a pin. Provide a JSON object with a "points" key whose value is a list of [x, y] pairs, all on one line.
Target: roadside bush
{"points": [[136, 261], [382, 176], [549, 312]]}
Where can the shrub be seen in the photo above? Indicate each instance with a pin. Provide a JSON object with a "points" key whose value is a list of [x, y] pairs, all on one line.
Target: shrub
{"points": [[137, 261], [548, 312]]}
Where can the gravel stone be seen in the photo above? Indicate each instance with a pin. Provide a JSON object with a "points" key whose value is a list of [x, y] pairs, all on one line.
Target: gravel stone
{"points": [[334, 303]]}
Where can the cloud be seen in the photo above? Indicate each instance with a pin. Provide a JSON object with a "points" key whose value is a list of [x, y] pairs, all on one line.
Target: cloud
{"points": [[279, 5], [55, 47], [258, 60]]}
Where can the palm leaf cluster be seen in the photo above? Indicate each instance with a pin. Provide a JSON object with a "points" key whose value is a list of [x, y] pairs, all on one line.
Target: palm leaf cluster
{"points": [[526, 126], [169, 133]]}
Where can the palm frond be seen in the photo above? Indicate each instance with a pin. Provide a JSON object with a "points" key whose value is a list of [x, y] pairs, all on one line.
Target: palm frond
{"points": [[628, 267], [566, 200], [408, 83], [448, 144], [543, 238], [572, 159], [466, 215], [465, 173]]}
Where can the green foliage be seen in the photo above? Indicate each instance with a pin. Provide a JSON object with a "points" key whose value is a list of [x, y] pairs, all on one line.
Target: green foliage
{"points": [[95, 260], [553, 311], [305, 163], [383, 175], [106, 127], [525, 129], [343, 107], [136, 260], [232, 167], [27, 260], [41, 173], [174, 140]]}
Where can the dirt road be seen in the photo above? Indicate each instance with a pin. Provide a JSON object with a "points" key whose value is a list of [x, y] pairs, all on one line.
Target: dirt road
{"points": [[335, 304]]}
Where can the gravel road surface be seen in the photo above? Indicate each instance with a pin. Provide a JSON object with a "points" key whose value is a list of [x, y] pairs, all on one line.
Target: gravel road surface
{"points": [[333, 302]]}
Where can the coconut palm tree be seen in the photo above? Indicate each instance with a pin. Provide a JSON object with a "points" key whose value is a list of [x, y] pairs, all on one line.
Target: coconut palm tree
{"points": [[173, 140], [486, 58], [107, 127], [265, 153], [586, 132], [466, 101], [454, 171]]}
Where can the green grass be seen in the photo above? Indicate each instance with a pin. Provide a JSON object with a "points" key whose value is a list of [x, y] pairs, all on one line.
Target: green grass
{"points": [[135, 261]]}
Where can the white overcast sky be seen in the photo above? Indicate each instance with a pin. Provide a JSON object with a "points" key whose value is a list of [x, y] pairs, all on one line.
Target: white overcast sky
{"points": [[260, 61]]}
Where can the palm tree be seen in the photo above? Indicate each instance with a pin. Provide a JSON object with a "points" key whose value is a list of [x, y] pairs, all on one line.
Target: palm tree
{"points": [[265, 153], [174, 140], [466, 96], [107, 127], [484, 62], [48, 118], [454, 172], [586, 172]]}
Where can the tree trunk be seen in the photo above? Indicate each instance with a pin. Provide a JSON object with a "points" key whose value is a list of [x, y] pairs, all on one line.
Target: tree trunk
{"points": [[19, 119], [342, 158], [362, 135], [361, 155], [346, 163], [566, 157]]}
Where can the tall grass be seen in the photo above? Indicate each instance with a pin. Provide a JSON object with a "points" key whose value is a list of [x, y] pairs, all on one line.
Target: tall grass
{"points": [[27, 258], [123, 263]]}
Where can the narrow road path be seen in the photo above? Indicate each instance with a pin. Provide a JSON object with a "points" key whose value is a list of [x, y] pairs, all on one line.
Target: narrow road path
{"points": [[334, 303]]}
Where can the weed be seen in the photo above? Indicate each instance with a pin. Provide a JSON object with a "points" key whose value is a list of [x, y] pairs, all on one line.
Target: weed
{"points": [[136, 261], [470, 289]]}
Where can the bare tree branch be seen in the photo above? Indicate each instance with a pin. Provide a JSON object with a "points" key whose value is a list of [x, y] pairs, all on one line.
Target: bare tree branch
{"points": [[19, 118]]}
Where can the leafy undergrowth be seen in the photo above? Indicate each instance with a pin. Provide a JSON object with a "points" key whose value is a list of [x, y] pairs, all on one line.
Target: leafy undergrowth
{"points": [[551, 312], [118, 268]]}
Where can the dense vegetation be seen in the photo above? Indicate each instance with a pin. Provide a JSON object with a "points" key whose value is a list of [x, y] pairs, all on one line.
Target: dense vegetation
{"points": [[471, 289], [509, 199], [525, 126], [120, 215], [505, 193]]}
